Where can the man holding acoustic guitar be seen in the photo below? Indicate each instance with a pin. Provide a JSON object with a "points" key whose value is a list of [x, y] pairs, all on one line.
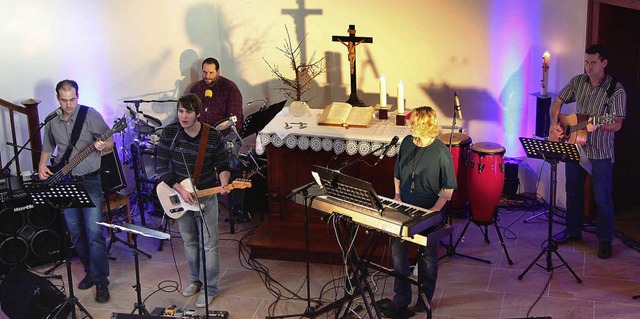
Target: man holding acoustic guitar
{"points": [[600, 109], [189, 153]]}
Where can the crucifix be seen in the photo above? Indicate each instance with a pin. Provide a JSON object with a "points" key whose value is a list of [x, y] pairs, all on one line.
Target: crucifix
{"points": [[351, 41]]}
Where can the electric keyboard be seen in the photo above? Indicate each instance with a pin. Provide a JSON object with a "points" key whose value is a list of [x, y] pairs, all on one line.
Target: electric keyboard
{"points": [[397, 219]]}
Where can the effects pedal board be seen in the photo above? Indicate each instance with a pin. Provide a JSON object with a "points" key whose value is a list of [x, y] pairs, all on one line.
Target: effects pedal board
{"points": [[175, 312]]}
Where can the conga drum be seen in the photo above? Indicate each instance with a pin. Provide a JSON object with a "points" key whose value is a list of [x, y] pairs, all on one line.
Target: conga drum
{"points": [[485, 179], [460, 155]]}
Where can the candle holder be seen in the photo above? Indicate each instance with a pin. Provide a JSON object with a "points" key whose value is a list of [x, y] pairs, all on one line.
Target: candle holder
{"points": [[401, 119], [383, 111]]}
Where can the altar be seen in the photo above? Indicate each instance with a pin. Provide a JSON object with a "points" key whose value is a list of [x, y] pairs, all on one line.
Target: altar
{"points": [[293, 145]]}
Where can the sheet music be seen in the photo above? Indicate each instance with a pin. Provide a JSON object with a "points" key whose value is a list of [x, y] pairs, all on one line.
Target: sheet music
{"points": [[138, 230]]}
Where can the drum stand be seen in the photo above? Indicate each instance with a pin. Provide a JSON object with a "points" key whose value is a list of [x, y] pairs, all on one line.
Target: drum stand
{"points": [[494, 222], [551, 152]]}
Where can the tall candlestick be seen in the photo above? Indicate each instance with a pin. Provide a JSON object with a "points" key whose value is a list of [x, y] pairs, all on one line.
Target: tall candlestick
{"points": [[545, 73], [400, 97], [383, 91]]}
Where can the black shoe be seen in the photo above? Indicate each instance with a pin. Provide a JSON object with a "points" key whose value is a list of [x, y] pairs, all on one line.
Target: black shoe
{"points": [[102, 293], [418, 307], [605, 251], [563, 238], [86, 283]]}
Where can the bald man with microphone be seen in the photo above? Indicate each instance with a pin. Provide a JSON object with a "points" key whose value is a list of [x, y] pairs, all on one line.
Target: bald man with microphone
{"points": [[220, 96]]}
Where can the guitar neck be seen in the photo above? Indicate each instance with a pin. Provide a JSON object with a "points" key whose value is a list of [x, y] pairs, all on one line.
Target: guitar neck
{"points": [[212, 191], [578, 127], [78, 159], [66, 169]]}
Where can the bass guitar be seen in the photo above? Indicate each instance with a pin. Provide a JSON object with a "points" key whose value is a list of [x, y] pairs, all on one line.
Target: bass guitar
{"points": [[574, 127], [173, 204], [61, 170]]}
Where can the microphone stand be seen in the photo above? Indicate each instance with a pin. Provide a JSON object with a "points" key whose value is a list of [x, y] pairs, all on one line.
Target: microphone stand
{"points": [[346, 164], [202, 242], [6, 170], [451, 248], [249, 152]]}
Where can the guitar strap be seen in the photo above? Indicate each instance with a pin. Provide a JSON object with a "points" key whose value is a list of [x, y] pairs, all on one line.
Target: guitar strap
{"points": [[204, 138], [612, 88], [75, 132]]}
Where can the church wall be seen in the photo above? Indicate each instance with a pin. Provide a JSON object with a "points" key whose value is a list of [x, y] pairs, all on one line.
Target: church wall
{"points": [[488, 51]]}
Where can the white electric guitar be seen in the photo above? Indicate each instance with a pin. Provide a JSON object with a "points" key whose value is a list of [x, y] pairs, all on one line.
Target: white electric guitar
{"points": [[173, 204]]}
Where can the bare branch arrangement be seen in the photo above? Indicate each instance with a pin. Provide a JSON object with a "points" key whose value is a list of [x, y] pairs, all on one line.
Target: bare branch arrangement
{"points": [[304, 72]]}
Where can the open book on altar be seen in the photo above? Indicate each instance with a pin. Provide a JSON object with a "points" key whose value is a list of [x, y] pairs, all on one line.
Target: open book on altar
{"points": [[343, 114]]}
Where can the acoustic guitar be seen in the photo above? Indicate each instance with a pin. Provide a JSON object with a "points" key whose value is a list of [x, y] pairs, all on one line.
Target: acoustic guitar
{"points": [[61, 170], [173, 204], [574, 127]]}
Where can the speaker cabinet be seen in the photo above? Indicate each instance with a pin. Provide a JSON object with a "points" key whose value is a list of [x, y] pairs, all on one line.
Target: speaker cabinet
{"points": [[29, 235], [25, 295], [111, 173], [543, 104]]}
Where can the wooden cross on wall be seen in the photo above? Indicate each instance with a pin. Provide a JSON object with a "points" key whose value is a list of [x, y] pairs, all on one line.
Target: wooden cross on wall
{"points": [[351, 41]]}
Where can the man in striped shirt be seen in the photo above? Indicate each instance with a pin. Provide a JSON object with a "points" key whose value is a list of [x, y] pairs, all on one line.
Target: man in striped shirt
{"points": [[176, 161], [595, 94]]}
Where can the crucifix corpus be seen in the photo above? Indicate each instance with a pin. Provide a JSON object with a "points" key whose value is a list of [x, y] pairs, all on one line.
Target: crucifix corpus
{"points": [[351, 41]]}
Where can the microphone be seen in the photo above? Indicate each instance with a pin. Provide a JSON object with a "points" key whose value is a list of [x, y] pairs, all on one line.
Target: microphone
{"points": [[52, 115], [393, 142], [208, 94], [456, 106]]}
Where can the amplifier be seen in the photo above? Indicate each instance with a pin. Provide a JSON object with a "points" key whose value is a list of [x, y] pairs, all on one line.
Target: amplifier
{"points": [[111, 173]]}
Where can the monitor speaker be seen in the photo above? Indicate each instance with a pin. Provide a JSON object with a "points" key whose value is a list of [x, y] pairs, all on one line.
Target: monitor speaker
{"points": [[111, 173], [25, 295], [29, 235]]}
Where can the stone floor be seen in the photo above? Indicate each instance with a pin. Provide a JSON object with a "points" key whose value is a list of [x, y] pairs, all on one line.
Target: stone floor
{"points": [[466, 288]]}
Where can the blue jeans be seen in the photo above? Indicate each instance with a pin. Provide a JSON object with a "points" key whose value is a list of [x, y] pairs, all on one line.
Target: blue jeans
{"points": [[427, 271], [601, 183], [190, 230], [88, 237]]}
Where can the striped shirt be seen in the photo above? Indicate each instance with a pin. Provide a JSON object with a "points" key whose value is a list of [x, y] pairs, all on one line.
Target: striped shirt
{"points": [[594, 102], [170, 166]]}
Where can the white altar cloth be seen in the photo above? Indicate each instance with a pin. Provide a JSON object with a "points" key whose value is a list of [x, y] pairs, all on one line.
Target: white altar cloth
{"points": [[328, 138]]}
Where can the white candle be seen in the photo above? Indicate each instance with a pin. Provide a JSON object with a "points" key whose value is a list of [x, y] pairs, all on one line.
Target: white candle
{"points": [[545, 73], [400, 98], [383, 91]]}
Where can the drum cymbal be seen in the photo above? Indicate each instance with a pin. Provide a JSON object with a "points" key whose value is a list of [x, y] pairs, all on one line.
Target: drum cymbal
{"points": [[225, 123], [144, 128], [152, 120]]}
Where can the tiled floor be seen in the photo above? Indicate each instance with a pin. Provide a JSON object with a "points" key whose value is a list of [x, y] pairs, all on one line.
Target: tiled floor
{"points": [[465, 289]]}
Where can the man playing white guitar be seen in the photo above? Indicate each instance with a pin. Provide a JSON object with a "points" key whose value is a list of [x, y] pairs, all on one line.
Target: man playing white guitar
{"points": [[190, 148]]}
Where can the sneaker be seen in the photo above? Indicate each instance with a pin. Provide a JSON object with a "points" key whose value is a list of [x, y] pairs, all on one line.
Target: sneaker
{"points": [[200, 303], [86, 282], [102, 293], [192, 289]]}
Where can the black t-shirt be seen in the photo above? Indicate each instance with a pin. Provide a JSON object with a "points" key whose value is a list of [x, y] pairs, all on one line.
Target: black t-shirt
{"points": [[433, 172]]}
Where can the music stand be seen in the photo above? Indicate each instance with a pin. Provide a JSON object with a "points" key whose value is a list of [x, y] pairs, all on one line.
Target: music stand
{"points": [[553, 153], [257, 121], [136, 230], [62, 196]]}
